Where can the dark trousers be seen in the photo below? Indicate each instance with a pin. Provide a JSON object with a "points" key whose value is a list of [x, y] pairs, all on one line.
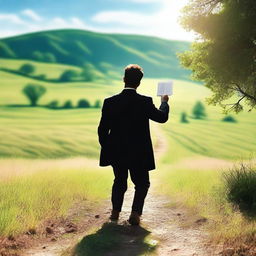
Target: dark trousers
{"points": [[140, 179]]}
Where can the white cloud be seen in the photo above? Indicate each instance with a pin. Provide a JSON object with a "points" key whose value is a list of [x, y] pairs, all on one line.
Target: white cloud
{"points": [[12, 18], [31, 14], [11, 25], [58, 22], [163, 23], [122, 17], [78, 23]]}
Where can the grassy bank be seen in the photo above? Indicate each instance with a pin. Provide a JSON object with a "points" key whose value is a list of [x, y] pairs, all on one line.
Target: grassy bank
{"points": [[28, 199], [203, 192]]}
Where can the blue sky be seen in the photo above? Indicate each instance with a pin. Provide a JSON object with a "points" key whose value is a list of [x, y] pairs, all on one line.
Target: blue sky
{"points": [[148, 17]]}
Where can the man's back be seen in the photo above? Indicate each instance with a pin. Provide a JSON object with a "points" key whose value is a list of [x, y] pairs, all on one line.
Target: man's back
{"points": [[126, 118]]}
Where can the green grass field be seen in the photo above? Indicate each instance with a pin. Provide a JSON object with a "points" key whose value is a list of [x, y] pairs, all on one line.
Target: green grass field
{"points": [[41, 132], [188, 169]]}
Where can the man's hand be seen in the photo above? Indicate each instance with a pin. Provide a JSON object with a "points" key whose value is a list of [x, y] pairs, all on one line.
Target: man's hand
{"points": [[164, 98]]}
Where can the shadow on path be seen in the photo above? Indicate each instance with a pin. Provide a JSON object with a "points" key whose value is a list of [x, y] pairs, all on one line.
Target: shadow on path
{"points": [[116, 239]]}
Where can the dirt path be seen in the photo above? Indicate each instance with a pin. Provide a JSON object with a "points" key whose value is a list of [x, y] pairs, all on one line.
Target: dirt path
{"points": [[165, 230]]}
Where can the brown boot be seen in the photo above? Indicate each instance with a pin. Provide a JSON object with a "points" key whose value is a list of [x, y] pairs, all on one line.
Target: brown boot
{"points": [[114, 215], [134, 219]]}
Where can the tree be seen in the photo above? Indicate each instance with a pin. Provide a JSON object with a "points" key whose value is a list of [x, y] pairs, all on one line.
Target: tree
{"points": [[27, 69], [68, 75], [183, 118], [97, 104], [224, 55], [50, 57], [83, 103], [199, 111], [68, 104], [34, 93], [53, 104], [37, 55], [229, 119], [88, 72]]}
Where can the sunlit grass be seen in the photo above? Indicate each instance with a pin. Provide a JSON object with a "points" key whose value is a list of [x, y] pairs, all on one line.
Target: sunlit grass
{"points": [[203, 192], [27, 200]]}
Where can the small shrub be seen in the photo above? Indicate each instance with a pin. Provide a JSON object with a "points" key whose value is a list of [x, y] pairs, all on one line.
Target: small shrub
{"points": [[240, 184], [97, 104], [49, 57], [83, 103], [88, 72], [41, 76], [53, 104], [68, 104], [229, 119], [199, 110], [183, 118], [37, 55], [27, 69]]}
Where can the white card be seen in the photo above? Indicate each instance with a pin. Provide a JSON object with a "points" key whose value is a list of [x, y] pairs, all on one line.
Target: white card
{"points": [[165, 88]]}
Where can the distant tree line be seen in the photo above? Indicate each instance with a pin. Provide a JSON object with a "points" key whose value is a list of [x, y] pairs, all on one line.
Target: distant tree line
{"points": [[82, 103], [44, 57], [87, 73], [199, 113], [34, 92]]}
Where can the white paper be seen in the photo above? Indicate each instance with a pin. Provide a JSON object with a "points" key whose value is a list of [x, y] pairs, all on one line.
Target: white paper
{"points": [[165, 88]]}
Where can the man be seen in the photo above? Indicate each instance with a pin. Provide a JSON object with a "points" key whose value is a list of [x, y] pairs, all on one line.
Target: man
{"points": [[125, 141]]}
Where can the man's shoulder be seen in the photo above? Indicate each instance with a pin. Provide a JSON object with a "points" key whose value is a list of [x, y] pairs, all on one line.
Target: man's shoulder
{"points": [[112, 98], [144, 97], [118, 96]]}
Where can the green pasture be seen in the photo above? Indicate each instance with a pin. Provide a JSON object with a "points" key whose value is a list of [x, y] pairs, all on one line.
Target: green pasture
{"points": [[43, 133]]}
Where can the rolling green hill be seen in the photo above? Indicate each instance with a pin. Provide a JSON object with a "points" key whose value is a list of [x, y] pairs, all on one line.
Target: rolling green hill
{"points": [[108, 53]]}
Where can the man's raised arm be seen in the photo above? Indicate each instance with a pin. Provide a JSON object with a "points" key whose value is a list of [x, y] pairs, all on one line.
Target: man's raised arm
{"points": [[159, 115]]}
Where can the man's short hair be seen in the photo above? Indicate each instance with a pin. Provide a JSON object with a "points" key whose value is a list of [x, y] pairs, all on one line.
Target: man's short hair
{"points": [[133, 73]]}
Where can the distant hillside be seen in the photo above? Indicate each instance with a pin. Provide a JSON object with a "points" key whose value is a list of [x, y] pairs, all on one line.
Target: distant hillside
{"points": [[108, 53]]}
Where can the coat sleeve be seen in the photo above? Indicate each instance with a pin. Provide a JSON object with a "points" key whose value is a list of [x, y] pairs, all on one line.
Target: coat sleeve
{"points": [[158, 115], [104, 125]]}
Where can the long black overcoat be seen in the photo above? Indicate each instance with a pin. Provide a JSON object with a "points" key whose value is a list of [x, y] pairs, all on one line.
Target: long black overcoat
{"points": [[124, 133]]}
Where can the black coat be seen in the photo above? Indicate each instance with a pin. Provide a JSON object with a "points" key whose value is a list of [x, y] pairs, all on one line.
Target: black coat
{"points": [[124, 133]]}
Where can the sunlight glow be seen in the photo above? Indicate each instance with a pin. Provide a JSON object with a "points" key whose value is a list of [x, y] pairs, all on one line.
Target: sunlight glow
{"points": [[164, 23]]}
